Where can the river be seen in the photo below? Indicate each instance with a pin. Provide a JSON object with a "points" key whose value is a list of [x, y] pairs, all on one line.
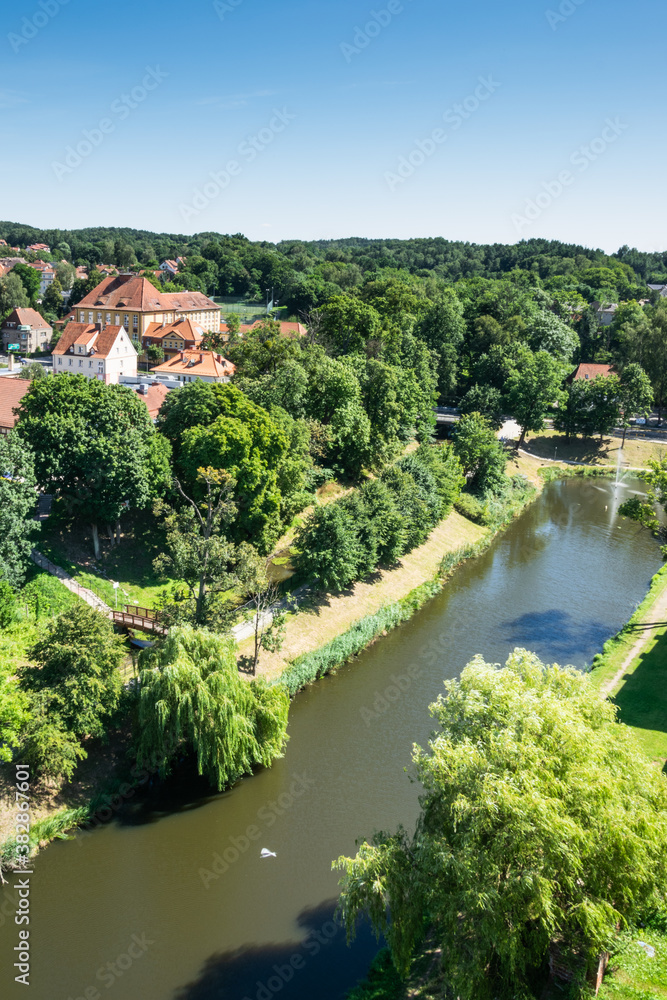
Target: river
{"points": [[172, 901]]}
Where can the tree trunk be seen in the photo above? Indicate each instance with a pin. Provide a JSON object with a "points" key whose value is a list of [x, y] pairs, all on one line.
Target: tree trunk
{"points": [[522, 438], [96, 541], [117, 532], [110, 534]]}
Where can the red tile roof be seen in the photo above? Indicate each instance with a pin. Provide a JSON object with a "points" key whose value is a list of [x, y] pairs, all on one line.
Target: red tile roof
{"points": [[27, 317], [12, 391], [132, 291], [590, 371], [154, 398], [197, 363], [189, 331]]}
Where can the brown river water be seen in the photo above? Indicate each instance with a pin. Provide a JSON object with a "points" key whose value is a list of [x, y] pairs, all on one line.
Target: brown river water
{"points": [[171, 900]]}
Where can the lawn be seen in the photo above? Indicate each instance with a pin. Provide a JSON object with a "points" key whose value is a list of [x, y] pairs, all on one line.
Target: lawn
{"points": [[636, 976], [642, 696], [130, 563], [636, 453]]}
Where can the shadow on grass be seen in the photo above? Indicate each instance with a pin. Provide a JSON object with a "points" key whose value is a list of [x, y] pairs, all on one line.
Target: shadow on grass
{"points": [[642, 700], [318, 963], [575, 450]]}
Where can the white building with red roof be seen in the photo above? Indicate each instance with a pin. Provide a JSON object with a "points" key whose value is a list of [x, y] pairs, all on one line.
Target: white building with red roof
{"points": [[89, 349]]}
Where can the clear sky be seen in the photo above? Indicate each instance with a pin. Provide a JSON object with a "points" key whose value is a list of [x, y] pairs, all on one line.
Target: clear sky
{"points": [[478, 121]]}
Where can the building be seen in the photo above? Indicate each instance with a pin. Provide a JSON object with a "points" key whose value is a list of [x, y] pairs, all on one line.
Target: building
{"points": [[174, 337], [291, 330], [12, 391], [590, 371], [660, 289], [38, 248], [605, 314], [193, 366], [171, 266], [101, 352], [131, 301], [28, 329], [47, 273]]}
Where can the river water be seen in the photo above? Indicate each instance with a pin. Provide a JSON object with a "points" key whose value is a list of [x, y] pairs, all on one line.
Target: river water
{"points": [[172, 901]]}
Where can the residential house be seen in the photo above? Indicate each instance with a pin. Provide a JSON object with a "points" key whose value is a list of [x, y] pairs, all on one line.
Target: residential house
{"points": [[590, 371], [38, 248], [153, 395], [193, 366], [96, 351], [12, 391], [661, 289], [174, 337], [47, 274], [28, 329], [171, 267], [605, 314], [133, 302]]}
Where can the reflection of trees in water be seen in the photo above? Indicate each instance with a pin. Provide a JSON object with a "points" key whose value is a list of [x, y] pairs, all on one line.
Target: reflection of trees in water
{"points": [[317, 963], [558, 630]]}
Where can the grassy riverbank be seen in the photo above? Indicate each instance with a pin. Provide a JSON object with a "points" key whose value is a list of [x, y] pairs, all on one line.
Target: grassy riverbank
{"points": [[632, 670]]}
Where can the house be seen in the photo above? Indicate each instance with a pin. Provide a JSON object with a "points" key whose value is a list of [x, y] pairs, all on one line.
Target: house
{"points": [[590, 371], [605, 314], [133, 302], [47, 274], [38, 248], [193, 366], [101, 352], [171, 266], [174, 337], [12, 391], [28, 329], [660, 289]]}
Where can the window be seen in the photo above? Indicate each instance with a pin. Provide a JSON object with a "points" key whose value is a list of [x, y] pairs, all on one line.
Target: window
{"points": [[108, 318], [126, 321], [90, 317], [117, 320], [99, 317], [60, 361], [80, 362], [82, 316], [90, 364], [70, 362]]}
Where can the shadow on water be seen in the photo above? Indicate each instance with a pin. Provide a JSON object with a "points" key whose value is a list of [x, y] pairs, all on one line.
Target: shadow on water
{"points": [[289, 970], [558, 629]]}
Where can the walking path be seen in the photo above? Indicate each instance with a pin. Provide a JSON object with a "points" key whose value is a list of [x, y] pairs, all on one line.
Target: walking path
{"points": [[658, 615], [67, 581]]}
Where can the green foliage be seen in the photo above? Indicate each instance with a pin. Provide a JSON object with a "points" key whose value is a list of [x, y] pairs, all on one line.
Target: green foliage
{"points": [[17, 503], [192, 698], [7, 604], [473, 508], [30, 279], [197, 549], [12, 294], [48, 747], [480, 452], [32, 371], [346, 540], [532, 388], [75, 666], [93, 446], [541, 822], [642, 509]]}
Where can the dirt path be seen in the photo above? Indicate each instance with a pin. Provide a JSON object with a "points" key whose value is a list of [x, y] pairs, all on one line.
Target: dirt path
{"points": [[658, 612], [332, 614]]}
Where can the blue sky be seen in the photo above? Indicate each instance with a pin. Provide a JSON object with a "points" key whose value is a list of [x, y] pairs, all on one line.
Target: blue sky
{"points": [[282, 120]]}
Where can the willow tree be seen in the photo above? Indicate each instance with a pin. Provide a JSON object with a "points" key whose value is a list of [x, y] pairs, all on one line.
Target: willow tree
{"points": [[192, 698], [542, 824]]}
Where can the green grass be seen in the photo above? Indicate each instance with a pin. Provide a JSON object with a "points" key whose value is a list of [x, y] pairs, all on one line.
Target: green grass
{"points": [[130, 564], [642, 697], [635, 976]]}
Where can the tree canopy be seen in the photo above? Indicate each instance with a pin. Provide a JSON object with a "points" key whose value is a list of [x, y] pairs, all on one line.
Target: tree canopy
{"points": [[542, 824], [193, 699]]}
